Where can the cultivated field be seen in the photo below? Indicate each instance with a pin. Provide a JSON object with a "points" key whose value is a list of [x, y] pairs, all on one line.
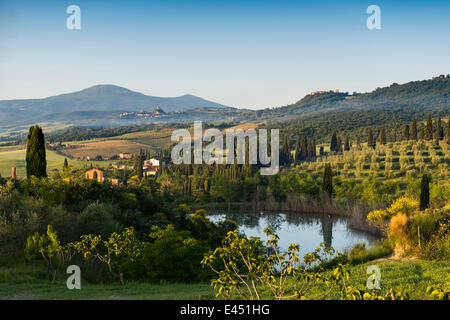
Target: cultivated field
{"points": [[395, 160], [106, 148], [15, 157], [156, 139], [244, 126]]}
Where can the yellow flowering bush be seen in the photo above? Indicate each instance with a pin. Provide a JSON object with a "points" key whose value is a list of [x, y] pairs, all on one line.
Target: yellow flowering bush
{"points": [[403, 205], [447, 207], [377, 215]]}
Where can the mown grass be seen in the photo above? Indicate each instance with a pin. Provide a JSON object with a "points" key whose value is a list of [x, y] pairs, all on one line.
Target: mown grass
{"points": [[29, 282]]}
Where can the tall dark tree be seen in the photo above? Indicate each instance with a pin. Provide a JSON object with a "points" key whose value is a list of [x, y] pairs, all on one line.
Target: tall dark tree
{"points": [[425, 192], [448, 132], [414, 129], [393, 135], [370, 140], [429, 128], [327, 186], [347, 144], [334, 142], [339, 144], [66, 164], [297, 149], [310, 150], [421, 134], [285, 152], [383, 136], [438, 135], [139, 164], [314, 147], [406, 133], [304, 146], [35, 155]]}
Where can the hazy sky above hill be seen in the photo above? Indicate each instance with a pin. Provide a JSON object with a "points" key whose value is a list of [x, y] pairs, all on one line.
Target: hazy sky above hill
{"points": [[250, 54]]}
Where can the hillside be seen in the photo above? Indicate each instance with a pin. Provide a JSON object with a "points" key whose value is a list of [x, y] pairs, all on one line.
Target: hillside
{"points": [[90, 103], [101, 106], [420, 96]]}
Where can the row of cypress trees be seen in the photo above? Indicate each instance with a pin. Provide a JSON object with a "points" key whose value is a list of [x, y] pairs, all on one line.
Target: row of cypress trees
{"points": [[37, 166]]}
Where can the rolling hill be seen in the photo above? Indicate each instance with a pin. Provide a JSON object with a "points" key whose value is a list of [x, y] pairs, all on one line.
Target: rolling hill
{"points": [[424, 96], [100, 106], [107, 100]]}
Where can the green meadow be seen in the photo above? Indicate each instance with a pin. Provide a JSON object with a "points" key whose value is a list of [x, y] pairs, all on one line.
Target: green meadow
{"points": [[15, 157], [28, 281]]}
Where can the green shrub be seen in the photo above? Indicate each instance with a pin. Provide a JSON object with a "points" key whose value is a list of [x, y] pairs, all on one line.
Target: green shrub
{"points": [[172, 255], [98, 218], [424, 224], [438, 245]]}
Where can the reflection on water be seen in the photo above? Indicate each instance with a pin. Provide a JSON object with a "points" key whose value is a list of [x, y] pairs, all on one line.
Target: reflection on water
{"points": [[308, 230]]}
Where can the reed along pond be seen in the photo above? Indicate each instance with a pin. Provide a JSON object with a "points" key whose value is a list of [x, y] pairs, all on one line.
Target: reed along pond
{"points": [[308, 230]]}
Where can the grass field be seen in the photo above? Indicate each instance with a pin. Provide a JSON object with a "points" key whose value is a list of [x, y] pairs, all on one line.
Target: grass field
{"points": [[155, 139], [13, 157], [28, 282], [106, 148], [411, 276]]}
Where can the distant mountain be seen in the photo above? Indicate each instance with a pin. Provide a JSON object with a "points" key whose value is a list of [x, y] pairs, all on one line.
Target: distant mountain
{"points": [[105, 98], [108, 105]]}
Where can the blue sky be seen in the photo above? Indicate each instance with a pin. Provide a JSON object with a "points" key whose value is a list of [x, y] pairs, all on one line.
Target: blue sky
{"points": [[251, 54]]}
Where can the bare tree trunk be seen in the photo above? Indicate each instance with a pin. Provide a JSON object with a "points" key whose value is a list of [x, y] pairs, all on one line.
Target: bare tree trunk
{"points": [[54, 276]]}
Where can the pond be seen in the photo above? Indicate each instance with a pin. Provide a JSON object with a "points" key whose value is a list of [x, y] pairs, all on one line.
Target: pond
{"points": [[308, 230]]}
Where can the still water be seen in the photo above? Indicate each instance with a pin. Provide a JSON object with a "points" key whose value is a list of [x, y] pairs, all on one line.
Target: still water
{"points": [[308, 230]]}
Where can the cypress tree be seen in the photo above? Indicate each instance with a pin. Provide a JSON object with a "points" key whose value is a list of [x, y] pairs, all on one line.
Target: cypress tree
{"points": [[304, 146], [421, 134], [314, 147], [429, 128], [406, 133], [383, 136], [310, 150], [247, 153], [394, 135], [339, 144], [424, 192], [333, 144], [328, 180], [448, 132], [347, 144], [35, 154], [414, 129], [297, 149], [285, 153], [66, 164], [438, 130], [139, 165], [370, 138]]}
